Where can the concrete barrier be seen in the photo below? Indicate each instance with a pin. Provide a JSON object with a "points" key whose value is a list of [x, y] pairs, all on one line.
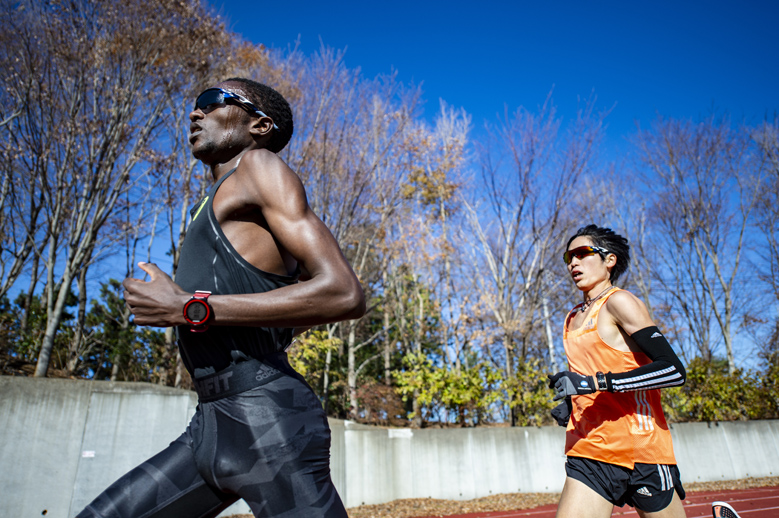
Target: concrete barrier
{"points": [[384, 465], [64, 441], [729, 450]]}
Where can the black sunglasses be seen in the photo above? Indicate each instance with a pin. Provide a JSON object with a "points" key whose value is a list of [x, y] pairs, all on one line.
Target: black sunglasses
{"points": [[219, 96]]}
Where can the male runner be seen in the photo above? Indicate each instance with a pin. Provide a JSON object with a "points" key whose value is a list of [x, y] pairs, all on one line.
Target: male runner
{"points": [[259, 432], [618, 445]]}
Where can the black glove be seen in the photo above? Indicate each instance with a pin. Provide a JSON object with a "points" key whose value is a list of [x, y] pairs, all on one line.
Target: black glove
{"points": [[567, 383], [562, 412]]}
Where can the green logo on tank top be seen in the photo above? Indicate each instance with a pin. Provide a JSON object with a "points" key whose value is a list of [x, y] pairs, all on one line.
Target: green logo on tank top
{"points": [[202, 204]]}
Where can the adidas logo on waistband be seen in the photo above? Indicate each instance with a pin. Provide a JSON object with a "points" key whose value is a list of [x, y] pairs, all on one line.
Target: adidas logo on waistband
{"points": [[655, 335]]}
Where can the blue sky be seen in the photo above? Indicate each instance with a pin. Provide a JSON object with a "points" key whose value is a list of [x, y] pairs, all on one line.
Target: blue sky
{"points": [[679, 59]]}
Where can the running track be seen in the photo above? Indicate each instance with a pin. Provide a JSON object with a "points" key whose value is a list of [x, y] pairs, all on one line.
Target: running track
{"points": [[760, 502]]}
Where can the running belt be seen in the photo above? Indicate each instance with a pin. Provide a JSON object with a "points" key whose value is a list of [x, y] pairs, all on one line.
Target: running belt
{"points": [[238, 377]]}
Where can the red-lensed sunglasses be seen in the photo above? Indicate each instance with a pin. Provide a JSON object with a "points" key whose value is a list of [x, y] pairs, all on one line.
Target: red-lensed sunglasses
{"points": [[583, 251]]}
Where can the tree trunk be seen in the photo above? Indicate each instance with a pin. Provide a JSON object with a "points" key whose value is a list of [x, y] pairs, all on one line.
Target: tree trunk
{"points": [[76, 344], [29, 295], [508, 347], [54, 310], [352, 371], [549, 335]]}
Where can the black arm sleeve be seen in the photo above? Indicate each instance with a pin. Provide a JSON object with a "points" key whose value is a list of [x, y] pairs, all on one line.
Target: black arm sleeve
{"points": [[666, 370]]}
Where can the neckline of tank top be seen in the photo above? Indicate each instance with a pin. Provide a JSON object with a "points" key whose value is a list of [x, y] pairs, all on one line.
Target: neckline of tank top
{"points": [[587, 303]]}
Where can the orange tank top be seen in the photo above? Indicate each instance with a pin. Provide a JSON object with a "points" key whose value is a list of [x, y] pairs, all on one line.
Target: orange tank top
{"points": [[618, 428]]}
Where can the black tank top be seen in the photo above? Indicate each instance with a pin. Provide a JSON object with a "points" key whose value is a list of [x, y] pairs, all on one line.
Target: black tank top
{"points": [[210, 263]]}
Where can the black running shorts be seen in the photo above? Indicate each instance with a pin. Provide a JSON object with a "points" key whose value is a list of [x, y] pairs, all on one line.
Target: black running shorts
{"points": [[269, 445], [648, 487]]}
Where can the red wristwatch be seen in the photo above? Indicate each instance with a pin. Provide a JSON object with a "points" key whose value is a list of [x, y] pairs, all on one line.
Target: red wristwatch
{"points": [[197, 311]]}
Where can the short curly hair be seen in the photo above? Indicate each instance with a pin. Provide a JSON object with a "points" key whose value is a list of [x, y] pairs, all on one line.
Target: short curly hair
{"points": [[611, 241], [274, 105]]}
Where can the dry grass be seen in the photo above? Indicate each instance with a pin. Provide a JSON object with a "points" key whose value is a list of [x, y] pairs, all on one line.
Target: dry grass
{"points": [[413, 507], [416, 507]]}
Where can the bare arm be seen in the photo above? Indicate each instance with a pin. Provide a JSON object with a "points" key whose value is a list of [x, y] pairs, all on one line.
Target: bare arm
{"points": [[331, 294]]}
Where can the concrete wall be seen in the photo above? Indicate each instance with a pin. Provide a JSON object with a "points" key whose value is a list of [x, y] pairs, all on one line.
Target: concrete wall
{"points": [[725, 451], [383, 465], [63, 441]]}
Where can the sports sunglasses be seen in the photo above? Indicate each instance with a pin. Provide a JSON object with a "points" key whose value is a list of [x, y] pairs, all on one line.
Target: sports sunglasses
{"points": [[219, 96], [583, 251]]}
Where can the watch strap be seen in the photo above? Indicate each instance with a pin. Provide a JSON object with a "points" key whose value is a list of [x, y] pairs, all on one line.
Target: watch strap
{"points": [[199, 294], [603, 384]]}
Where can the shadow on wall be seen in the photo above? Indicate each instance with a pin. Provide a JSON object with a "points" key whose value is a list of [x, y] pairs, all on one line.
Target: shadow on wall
{"points": [[75, 437]]}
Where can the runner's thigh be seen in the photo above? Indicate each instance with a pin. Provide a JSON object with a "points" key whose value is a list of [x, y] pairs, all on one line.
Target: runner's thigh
{"points": [[166, 485], [273, 450]]}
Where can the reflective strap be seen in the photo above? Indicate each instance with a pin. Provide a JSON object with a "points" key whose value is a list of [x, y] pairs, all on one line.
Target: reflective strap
{"points": [[235, 379]]}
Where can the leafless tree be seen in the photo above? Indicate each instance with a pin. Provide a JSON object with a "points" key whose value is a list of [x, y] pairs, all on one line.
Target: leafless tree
{"points": [[530, 170], [96, 75], [349, 153], [705, 194], [766, 137]]}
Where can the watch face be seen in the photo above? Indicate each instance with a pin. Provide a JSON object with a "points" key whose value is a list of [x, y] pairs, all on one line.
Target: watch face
{"points": [[197, 311]]}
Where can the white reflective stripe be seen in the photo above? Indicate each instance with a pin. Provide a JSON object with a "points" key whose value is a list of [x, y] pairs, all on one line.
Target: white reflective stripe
{"points": [[639, 415], [646, 379], [643, 411], [663, 480], [629, 384], [650, 417], [667, 370], [670, 478], [638, 412], [649, 413]]}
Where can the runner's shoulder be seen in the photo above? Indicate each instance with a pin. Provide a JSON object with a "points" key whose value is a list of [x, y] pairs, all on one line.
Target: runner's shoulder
{"points": [[269, 181], [264, 168], [262, 161], [621, 296], [626, 308]]}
